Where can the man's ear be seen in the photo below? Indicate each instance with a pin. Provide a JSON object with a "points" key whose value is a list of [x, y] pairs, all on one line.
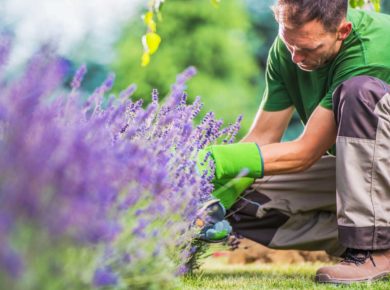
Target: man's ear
{"points": [[344, 30]]}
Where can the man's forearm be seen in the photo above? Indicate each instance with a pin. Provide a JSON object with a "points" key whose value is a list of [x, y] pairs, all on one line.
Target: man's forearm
{"points": [[262, 139], [286, 157], [281, 157]]}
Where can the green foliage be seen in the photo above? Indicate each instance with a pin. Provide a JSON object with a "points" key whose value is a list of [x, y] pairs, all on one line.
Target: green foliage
{"points": [[213, 40], [263, 30], [151, 40], [356, 3], [361, 3]]}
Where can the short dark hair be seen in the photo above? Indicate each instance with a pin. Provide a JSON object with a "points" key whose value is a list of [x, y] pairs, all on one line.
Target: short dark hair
{"points": [[328, 12]]}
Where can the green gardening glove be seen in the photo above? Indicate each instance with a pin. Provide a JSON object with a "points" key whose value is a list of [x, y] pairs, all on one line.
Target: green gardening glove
{"points": [[228, 191], [230, 160]]}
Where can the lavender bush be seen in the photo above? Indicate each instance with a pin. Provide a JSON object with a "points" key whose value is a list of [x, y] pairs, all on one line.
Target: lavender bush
{"points": [[97, 191]]}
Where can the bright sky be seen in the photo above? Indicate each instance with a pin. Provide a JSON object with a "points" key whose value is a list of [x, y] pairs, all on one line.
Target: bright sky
{"points": [[67, 21]]}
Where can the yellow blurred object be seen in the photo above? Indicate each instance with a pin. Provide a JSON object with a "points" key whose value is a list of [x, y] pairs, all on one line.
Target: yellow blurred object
{"points": [[145, 59], [148, 19], [153, 41], [215, 3], [377, 5]]}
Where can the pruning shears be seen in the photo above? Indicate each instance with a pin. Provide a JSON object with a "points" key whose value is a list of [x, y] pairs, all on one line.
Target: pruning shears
{"points": [[213, 227]]}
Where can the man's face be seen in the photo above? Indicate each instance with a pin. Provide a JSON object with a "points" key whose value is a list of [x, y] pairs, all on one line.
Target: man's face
{"points": [[310, 45]]}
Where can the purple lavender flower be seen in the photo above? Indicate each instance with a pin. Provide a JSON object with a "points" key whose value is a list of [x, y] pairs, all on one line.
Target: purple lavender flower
{"points": [[116, 180], [5, 48], [104, 277], [155, 96], [11, 262], [126, 258], [128, 92], [109, 82], [139, 230], [78, 77], [186, 75]]}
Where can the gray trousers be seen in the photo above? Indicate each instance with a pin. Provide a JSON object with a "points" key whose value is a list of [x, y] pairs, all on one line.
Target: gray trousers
{"points": [[340, 202]]}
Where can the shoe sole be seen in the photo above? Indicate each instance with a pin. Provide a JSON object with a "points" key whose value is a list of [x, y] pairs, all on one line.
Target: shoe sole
{"points": [[322, 278]]}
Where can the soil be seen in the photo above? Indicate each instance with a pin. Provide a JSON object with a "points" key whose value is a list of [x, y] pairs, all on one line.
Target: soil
{"points": [[249, 251]]}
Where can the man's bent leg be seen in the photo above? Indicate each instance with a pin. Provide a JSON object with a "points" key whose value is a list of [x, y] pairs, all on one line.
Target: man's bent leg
{"points": [[291, 211], [362, 111]]}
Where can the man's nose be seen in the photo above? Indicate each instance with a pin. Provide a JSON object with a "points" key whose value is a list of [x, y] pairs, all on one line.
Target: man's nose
{"points": [[297, 57]]}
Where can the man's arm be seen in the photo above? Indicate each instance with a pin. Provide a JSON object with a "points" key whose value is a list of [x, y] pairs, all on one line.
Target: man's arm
{"points": [[275, 158], [319, 135], [268, 127]]}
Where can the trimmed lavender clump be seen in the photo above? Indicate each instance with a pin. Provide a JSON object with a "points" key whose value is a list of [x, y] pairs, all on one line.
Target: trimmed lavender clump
{"points": [[97, 193]]}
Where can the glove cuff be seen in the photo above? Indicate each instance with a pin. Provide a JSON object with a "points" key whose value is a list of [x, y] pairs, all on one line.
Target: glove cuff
{"points": [[230, 160]]}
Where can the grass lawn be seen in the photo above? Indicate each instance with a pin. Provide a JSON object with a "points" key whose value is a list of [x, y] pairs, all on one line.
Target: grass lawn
{"points": [[217, 274]]}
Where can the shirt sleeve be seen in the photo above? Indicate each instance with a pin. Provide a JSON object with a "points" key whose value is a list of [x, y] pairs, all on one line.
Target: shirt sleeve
{"points": [[276, 97]]}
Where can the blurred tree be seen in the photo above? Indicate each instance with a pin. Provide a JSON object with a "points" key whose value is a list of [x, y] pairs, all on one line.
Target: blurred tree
{"points": [[263, 28], [214, 41], [385, 6]]}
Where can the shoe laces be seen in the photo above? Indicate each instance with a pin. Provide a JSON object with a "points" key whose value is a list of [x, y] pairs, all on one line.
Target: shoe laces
{"points": [[358, 256]]}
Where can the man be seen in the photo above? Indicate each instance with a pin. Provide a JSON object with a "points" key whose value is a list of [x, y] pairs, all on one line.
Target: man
{"points": [[333, 67]]}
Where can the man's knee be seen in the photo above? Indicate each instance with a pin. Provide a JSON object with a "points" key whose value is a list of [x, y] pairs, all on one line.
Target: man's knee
{"points": [[359, 90], [354, 103]]}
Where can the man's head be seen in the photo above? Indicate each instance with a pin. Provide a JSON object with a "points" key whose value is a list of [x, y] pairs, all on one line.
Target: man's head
{"points": [[313, 30]]}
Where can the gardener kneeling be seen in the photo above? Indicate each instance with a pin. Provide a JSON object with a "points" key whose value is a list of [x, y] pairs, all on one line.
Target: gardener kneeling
{"points": [[333, 67]]}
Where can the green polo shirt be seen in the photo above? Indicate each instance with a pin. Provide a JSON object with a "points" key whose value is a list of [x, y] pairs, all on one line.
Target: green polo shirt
{"points": [[366, 51]]}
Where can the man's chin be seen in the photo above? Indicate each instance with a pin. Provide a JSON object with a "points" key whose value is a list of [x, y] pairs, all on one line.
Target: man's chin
{"points": [[307, 68], [310, 68]]}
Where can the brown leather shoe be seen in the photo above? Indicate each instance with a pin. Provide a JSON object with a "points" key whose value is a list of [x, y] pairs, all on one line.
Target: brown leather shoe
{"points": [[357, 266]]}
